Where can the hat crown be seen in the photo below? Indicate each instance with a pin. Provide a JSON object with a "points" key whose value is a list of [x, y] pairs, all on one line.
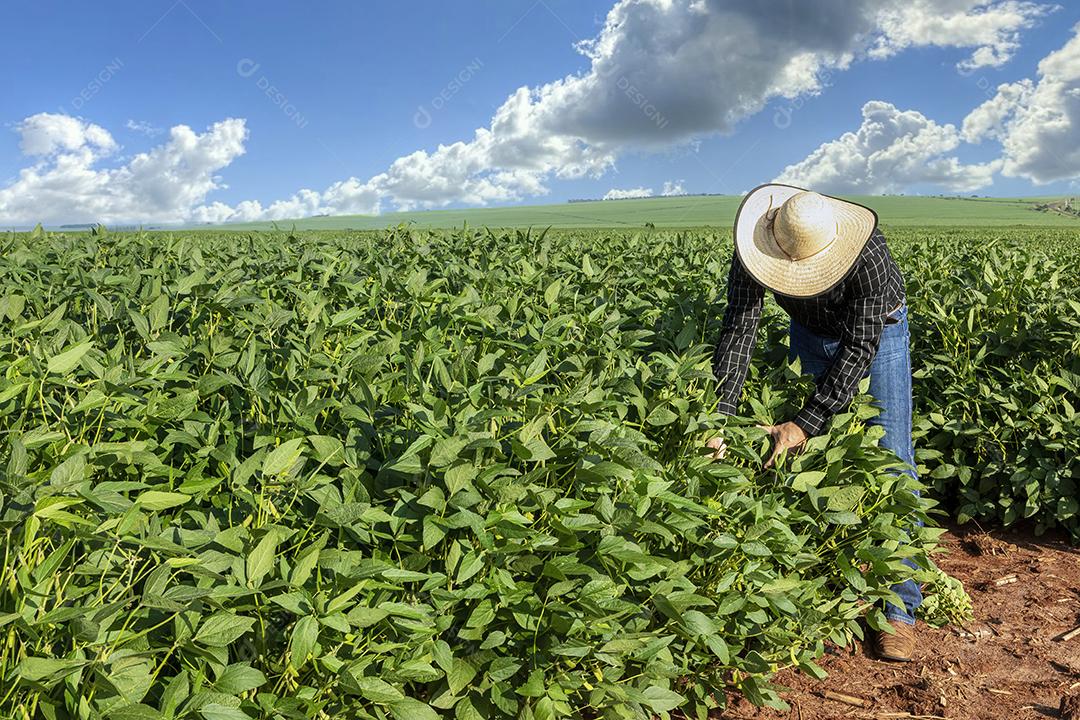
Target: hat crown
{"points": [[805, 225]]}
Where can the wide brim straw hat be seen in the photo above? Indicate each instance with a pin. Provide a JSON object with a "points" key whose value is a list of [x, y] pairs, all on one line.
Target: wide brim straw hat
{"points": [[800, 243]]}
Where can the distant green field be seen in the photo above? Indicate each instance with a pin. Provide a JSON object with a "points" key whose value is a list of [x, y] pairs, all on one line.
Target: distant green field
{"points": [[686, 212]]}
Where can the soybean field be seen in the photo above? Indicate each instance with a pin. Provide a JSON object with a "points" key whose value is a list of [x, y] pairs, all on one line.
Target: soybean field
{"points": [[424, 474]]}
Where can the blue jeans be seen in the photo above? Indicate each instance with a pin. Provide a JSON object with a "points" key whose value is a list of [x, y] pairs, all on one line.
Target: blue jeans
{"points": [[890, 385]]}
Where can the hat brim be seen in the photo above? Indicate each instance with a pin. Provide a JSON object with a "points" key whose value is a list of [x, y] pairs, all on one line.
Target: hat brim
{"points": [[811, 276]]}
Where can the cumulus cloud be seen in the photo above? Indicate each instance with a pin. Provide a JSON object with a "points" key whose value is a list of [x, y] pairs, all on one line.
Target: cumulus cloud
{"points": [[892, 150], [1037, 122], [638, 192], [673, 187], [989, 120], [48, 134], [660, 72], [66, 182], [992, 28], [664, 72]]}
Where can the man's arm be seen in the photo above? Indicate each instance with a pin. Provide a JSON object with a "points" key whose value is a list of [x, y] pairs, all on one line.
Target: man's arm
{"points": [[731, 358], [859, 340]]}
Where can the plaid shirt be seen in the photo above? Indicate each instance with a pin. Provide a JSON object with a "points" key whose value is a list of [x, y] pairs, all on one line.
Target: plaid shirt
{"points": [[854, 312]]}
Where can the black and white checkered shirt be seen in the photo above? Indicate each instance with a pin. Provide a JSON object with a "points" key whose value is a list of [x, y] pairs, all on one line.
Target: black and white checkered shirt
{"points": [[854, 312]]}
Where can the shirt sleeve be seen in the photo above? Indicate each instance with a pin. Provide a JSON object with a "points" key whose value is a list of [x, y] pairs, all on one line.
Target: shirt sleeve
{"points": [[864, 321], [731, 358]]}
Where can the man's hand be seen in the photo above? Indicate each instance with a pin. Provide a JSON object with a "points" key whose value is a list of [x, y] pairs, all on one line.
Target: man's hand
{"points": [[787, 436], [718, 446]]}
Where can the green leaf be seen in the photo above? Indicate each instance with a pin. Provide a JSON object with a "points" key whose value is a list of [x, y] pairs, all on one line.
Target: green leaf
{"points": [[158, 314], [662, 700], [159, 500], [261, 559], [306, 562], [587, 266], [66, 361], [544, 709], [188, 282], [71, 470], [696, 623], [38, 669], [362, 617], [378, 691], [459, 477], [410, 709], [132, 677], [534, 686], [465, 710], [135, 711], [842, 518], [177, 407], [661, 416], [222, 629], [537, 368], [328, 450], [719, 648], [239, 678], [283, 457], [536, 450], [460, 675], [470, 565], [304, 636], [446, 451], [409, 461], [806, 480], [813, 669], [846, 498], [216, 711], [551, 294], [176, 691]]}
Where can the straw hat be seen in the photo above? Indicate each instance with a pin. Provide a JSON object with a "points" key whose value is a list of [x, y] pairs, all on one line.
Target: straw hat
{"points": [[800, 243]]}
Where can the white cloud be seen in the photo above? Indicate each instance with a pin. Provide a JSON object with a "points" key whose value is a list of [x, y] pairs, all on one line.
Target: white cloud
{"points": [[143, 127], [673, 187], [992, 28], [47, 134], [66, 183], [891, 151], [664, 72], [661, 72], [989, 119], [1037, 123], [638, 192]]}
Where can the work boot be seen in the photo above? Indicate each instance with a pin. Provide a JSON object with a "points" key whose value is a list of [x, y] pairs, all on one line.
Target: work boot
{"points": [[898, 646]]}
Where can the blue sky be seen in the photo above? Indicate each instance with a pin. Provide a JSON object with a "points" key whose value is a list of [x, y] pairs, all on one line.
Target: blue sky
{"points": [[349, 78]]}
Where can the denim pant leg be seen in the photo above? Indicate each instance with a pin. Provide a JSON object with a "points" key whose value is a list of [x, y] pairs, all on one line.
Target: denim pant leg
{"points": [[890, 385]]}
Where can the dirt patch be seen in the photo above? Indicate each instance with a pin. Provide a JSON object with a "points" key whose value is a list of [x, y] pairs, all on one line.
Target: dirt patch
{"points": [[1067, 207], [1070, 707], [983, 543], [1017, 660]]}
